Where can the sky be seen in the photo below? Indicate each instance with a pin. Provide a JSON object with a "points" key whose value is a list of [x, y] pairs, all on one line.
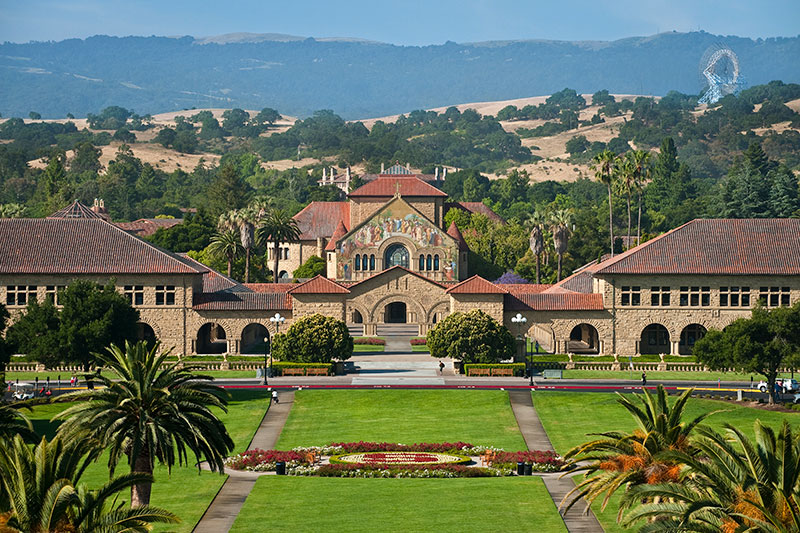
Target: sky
{"points": [[405, 22]]}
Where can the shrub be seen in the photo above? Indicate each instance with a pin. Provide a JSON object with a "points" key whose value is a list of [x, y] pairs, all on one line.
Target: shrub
{"points": [[314, 339], [370, 341], [542, 461], [472, 337], [430, 471], [419, 342], [314, 266], [264, 460]]}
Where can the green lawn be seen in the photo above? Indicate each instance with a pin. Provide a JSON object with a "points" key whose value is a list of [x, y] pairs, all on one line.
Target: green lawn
{"points": [[280, 503], [407, 416], [184, 491], [569, 416], [655, 375], [368, 348], [420, 348]]}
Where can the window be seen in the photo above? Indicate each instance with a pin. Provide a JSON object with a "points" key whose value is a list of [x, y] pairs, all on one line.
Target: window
{"points": [[372, 261], [358, 262], [429, 262], [734, 296], [436, 262], [422, 262], [631, 295], [286, 253], [135, 294], [774, 296], [695, 296], [52, 292], [165, 294], [659, 296], [20, 294]]}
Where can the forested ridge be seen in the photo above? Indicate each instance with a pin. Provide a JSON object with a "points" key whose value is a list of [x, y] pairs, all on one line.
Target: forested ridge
{"points": [[668, 162]]}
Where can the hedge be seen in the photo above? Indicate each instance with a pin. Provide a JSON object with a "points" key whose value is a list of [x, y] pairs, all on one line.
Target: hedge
{"points": [[419, 342], [518, 368], [369, 341], [277, 367]]}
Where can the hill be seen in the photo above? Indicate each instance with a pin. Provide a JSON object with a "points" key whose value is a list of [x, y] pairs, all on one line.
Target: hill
{"points": [[356, 78]]}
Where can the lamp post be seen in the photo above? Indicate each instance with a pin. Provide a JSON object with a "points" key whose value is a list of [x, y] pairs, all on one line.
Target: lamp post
{"points": [[519, 320], [277, 320], [266, 349]]}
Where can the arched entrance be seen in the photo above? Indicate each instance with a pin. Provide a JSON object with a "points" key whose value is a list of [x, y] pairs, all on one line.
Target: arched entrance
{"points": [[211, 338], [144, 332], [654, 340], [253, 336], [690, 334], [395, 313], [357, 318], [584, 339], [396, 255]]}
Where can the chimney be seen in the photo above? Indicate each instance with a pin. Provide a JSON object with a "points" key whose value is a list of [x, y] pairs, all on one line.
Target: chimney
{"points": [[347, 180], [382, 169], [436, 177], [444, 172], [324, 175]]}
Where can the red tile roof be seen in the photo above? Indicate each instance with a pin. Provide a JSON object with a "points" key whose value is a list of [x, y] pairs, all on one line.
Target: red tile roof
{"points": [[566, 301], [524, 288], [213, 281], [81, 246], [386, 187], [242, 301], [475, 207], [75, 210], [338, 233], [319, 219], [767, 246], [147, 226], [270, 287], [454, 232], [476, 285], [318, 285]]}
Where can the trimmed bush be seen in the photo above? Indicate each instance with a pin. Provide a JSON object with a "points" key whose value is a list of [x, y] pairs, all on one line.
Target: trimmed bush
{"points": [[472, 337], [518, 368], [369, 341], [314, 339]]}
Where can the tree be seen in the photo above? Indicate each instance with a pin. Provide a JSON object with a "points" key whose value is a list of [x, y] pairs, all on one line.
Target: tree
{"points": [[226, 244], [561, 220], [234, 119], [618, 459], [471, 337], [314, 339], [35, 333], [314, 266], [150, 409], [12, 423], [267, 116], [278, 227], [86, 159], [604, 172], [35, 116], [41, 492], [626, 174], [228, 191], [762, 344], [93, 317], [577, 145], [166, 137], [641, 175]]}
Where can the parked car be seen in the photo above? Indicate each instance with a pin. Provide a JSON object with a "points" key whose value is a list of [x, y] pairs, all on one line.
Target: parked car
{"points": [[785, 384], [23, 393]]}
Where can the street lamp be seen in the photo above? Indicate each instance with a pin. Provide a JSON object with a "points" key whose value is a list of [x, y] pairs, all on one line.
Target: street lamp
{"points": [[520, 320], [266, 349], [277, 320]]}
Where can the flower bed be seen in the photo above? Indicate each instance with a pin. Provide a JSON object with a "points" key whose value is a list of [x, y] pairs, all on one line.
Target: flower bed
{"points": [[369, 341], [400, 458], [264, 460], [545, 461], [400, 471], [419, 342], [336, 448]]}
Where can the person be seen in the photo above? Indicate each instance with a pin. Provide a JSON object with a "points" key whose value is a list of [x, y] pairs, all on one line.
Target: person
{"points": [[751, 381], [441, 368], [275, 396], [644, 379]]}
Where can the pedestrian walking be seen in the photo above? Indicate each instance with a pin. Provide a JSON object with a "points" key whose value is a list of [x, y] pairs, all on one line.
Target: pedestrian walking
{"points": [[751, 382], [275, 396], [644, 379], [441, 368]]}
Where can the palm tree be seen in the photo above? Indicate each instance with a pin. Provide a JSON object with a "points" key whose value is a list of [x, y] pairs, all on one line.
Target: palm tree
{"points": [[626, 175], [149, 409], [537, 220], [41, 492], [12, 423], [246, 221], [561, 220], [278, 227], [226, 244], [626, 459], [730, 483], [604, 171], [642, 167]]}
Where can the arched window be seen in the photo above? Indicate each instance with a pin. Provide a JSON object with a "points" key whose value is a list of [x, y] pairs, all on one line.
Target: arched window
{"points": [[396, 255], [372, 262], [422, 262], [358, 262], [436, 262], [429, 263]]}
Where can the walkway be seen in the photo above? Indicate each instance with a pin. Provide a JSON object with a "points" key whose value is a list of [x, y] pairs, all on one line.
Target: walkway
{"points": [[396, 365], [536, 438], [222, 512]]}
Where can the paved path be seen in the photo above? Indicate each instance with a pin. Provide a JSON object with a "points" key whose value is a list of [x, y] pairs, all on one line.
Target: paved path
{"points": [[536, 439], [222, 512]]}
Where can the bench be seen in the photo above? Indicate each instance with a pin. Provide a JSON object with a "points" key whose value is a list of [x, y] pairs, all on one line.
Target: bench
{"points": [[502, 371], [294, 371], [316, 371], [553, 373], [479, 372]]}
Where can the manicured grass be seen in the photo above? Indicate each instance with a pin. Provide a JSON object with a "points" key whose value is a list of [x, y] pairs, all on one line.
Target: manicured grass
{"points": [[368, 348], [407, 416], [420, 348], [185, 491], [656, 376], [280, 503], [569, 416]]}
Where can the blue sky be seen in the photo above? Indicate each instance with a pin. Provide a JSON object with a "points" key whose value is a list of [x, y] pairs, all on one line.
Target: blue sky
{"points": [[410, 22]]}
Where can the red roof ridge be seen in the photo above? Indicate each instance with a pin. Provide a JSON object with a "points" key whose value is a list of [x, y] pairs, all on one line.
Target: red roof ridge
{"points": [[382, 272], [385, 186], [476, 285], [171, 255], [455, 233], [338, 233], [319, 284], [627, 253]]}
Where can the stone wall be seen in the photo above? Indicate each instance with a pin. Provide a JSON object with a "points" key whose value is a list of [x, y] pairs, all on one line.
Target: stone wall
{"points": [[332, 305], [491, 304]]}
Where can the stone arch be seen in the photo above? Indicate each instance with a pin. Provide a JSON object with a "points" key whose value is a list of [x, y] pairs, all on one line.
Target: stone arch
{"points": [[584, 338], [146, 332], [438, 311], [252, 340], [211, 338], [283, 275], [690, 334], [408, 243], [376, 313], [655, 339], [352, 309]]}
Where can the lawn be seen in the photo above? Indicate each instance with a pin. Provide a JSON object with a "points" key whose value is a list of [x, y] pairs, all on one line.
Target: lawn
{"points": [[569, 416], [184, 491], [665, 376], [406, 416], [334, 504], [420, 348], [357, 348]]}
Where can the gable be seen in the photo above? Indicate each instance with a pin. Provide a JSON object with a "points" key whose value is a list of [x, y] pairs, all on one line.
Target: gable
{"points": [[396, 280]]}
